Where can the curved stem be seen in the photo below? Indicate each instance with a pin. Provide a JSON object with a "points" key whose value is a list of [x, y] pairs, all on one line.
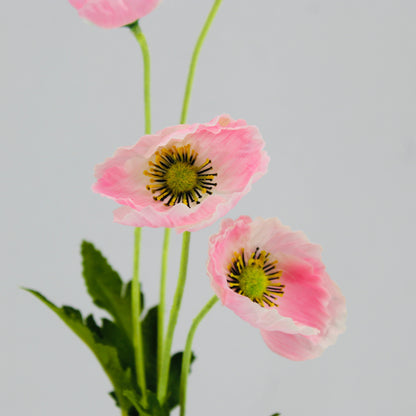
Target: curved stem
{"points": [[136, 309], [136, 300], [194, 59], [186, 359], [138, 34], [135, 28], [173, 318], [162, 296]]}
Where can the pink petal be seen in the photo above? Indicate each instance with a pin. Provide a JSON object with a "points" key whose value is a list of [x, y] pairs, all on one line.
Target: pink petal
{"points": [[114, 13], [298, 347], [236, 154], [77, 3], [311, 312]]}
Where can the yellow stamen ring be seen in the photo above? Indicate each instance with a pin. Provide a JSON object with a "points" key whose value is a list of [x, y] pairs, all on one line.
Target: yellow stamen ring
{"points": [[255, 278], [174, 177]]}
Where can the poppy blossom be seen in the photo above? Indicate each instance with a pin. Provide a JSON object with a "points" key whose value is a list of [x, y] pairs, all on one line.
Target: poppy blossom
{"points": [[274, 278], [185, 176]]}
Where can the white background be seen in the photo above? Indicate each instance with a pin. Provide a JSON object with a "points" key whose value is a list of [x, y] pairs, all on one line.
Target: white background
{"points": [[331, 85]]}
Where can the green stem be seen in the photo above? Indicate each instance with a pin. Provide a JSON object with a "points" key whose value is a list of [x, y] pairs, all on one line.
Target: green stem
{"points": [[136, 306], [135, 28], [173, 318], [124, 412], [195, 57], [162, 296], [136, 309], [186, 360], [138, 34]]}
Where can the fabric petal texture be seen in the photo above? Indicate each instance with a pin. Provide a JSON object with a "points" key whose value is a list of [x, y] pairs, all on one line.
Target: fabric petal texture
{"points": [[183, 177], [113, 13], [274, 278]]}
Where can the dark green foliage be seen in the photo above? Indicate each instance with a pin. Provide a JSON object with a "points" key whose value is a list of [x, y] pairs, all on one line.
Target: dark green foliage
{"points": [[97, 340], [153, 407], [114, 396], [111, 342], [174, 379], [149, 328], [106, 287], [111, 334]]}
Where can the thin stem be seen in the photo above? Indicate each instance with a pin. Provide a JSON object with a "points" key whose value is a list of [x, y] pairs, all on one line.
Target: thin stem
{"points": [[124, 412], [174, 312], [138, 34], [136, 309], [186, 360], [136, 300], [194, 59], [162, 297]]}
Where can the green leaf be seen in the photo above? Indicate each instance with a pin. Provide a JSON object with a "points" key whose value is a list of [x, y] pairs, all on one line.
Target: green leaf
{"points": [[133, 412], [106, 287], [275, 414], [153, 407], [114, 396], [172, 399], [110, 334], [102, 341], [149, 328]]}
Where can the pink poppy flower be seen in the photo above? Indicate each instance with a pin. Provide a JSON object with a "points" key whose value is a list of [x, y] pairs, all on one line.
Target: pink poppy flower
{"points": [[274, 278], [185, 176], [113, 13]]}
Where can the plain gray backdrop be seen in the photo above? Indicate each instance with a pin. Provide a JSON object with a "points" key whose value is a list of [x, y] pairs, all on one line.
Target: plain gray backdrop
{"points": [[331, 85]]}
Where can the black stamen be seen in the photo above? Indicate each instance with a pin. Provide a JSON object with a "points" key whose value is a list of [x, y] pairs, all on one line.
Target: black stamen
{"points": [[158, 170]]}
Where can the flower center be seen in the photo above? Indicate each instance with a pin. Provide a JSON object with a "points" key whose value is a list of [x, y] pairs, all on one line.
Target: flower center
{"points": [[181, 177], [175, 178], [253, 282], [256, 277]]}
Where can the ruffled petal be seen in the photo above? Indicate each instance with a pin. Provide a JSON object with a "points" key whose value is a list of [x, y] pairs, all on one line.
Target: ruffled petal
{"points": [[113, 13], [311, 312], [299, 347], [233, 149]]}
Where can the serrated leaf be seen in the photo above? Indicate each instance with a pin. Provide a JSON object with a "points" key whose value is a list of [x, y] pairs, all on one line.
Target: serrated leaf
{"points": [[106, 288], [110, 334], [97, 339]]}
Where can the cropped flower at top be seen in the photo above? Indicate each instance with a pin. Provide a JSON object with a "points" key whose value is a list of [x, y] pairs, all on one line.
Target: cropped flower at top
{"points": [[274, 278], [113, 13], [183, 177]]}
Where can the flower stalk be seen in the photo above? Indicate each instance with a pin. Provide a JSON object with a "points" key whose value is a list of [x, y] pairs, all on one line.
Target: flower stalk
{"points": [[162, 300], [194, 60], [165, 347], [173, 318], [141, 39], [137, 32], [186, 360], [136, 308], [136, 299]]}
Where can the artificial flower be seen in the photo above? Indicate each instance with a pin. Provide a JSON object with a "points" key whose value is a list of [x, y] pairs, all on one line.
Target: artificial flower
{"points": [[185, 176], [274, 278], [113, 13]]}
